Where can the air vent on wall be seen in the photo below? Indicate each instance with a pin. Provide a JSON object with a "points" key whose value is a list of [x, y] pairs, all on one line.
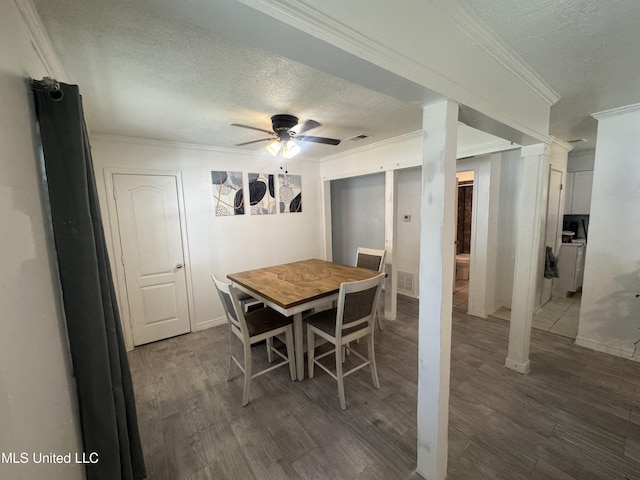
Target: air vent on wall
{"points": [[405, 282], [356, 138]]}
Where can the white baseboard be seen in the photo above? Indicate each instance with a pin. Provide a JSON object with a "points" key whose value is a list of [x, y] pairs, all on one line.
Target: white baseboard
{"points": [[215, 322], [607, 348]]}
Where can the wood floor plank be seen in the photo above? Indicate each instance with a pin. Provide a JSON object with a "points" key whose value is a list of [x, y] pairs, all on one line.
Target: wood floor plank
{"points": [[576, 416]]}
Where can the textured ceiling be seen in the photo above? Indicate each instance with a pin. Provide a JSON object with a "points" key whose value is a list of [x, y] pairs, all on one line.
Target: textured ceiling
{"points": [[184, 71], [147, 76], [587, 50]]}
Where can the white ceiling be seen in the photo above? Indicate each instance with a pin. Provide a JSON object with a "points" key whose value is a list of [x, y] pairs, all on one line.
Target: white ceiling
{"points": [[184, 72], [587, 50]]}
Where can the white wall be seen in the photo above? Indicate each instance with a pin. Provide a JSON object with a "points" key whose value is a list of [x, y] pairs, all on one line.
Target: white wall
{"points": [[582, 160], [510, 184], [408, 238], [483, 265], [610, 309], [221, 245], [357, 216], [37, 393], [402, 155]]}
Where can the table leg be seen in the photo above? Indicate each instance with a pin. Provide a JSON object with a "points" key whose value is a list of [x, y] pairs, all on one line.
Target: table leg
{"points": [[299, 345]]}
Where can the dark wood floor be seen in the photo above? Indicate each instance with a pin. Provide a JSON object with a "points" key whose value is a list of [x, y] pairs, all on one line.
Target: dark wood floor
{"points": [[576, 416]]}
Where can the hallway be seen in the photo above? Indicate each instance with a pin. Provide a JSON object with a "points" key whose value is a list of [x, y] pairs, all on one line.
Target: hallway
{"points": [[560, 315]]}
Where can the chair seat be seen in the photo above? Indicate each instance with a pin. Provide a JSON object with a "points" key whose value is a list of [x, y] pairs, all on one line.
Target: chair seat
{"points": [[265, 319], [326, 321]]}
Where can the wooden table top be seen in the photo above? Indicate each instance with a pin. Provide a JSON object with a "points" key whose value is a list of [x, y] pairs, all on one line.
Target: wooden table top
{"points": [[293, 284]]}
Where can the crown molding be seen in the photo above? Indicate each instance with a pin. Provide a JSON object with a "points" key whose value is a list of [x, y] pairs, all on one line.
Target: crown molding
{"points": [[472, 26], [40, 40], [374, 146], [295, 12], [556, 142], [486, 149], [148, 142], [614, 112]]}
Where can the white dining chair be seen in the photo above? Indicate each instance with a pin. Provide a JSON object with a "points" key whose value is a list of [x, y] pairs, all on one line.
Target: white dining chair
{"points": [[252, 327], [351, 320], [372, 259]]}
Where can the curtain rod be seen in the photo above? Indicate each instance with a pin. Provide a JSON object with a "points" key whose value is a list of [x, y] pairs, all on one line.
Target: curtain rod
{"points": [[50, 85]]}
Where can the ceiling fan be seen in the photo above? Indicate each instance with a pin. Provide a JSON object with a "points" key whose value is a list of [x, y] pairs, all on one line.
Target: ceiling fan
{"points": [[286, 132]]}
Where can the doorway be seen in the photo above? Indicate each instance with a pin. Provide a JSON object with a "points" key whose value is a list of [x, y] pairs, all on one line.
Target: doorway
{"points": [[146, 218], [464, 213]]}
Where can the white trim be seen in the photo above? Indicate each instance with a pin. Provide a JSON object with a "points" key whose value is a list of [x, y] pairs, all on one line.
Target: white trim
{"points": [[40, 40], [375, 146], [149, 142], [478, 32], [214, 322], [533, 150], [295, 12], [176, 145], [616, 111], [308, 19], [523, 368], [560, 143], [327, 223], [486, 149], [627, 353], [390, 242]]}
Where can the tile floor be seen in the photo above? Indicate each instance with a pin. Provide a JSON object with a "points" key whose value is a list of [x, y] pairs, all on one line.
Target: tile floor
{"points": [[559, 315], [461, 294]]}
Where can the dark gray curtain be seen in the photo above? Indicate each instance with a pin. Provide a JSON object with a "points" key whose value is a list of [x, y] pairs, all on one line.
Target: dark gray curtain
{"points": [[105, 392]]}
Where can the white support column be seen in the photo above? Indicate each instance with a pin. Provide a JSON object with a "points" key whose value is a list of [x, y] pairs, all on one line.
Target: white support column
{"points": [[326, 210], [484, 235], [390, 236], [439, 125], [528, 251]]}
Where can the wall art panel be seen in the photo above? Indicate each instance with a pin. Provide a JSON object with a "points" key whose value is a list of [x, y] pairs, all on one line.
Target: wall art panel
{"points": [[228, 195], [262, 198], [290, 193]]}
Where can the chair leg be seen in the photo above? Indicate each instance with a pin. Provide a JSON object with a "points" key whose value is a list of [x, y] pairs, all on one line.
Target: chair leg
{"points": [[340, 378], [230, 359], [247, 375], [372, 359], [379, 318], [311, 347], [269, 352], [288, 338]]}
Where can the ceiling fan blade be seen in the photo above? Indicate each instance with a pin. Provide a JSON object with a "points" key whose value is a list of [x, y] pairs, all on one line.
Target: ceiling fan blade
{"points": [[307, 125], [253, 128], [254, 141], [327, 141]]}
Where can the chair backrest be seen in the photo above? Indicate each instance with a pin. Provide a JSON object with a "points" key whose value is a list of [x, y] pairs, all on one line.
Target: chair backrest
{"points": [[231, 304], [370, 259], [357, 303]]}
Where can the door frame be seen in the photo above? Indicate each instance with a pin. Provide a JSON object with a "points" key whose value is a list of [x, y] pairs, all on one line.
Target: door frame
{"points": [[116, 248]]}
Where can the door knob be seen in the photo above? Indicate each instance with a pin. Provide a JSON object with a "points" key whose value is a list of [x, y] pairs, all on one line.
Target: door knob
{"points": [[179, 266]]}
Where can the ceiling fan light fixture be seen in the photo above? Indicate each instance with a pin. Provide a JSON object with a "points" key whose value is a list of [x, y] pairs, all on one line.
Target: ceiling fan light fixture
{"points": [[274, 148], [290, 149]]}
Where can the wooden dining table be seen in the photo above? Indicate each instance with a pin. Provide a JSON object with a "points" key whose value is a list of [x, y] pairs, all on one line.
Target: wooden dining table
{"points": [[293, 288]]}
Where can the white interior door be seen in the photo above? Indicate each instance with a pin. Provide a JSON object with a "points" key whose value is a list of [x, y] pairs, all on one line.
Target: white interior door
{"points": [[553, 225], [148, 216]]}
